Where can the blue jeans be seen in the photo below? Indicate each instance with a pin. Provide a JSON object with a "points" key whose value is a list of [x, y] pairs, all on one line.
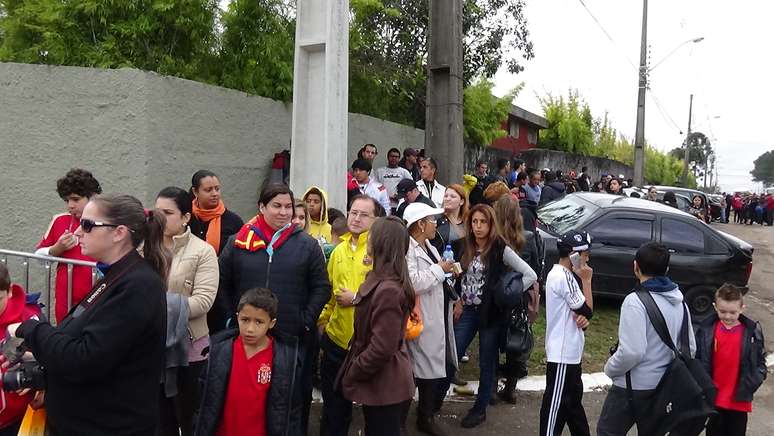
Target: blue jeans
{"points": [[488, 351]]}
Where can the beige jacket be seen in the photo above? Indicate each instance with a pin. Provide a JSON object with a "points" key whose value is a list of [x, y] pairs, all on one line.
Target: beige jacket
{"points": [[194, 273]]}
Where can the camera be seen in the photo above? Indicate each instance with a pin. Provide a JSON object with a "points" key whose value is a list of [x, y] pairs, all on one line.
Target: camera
{"points": [[27, 373]]}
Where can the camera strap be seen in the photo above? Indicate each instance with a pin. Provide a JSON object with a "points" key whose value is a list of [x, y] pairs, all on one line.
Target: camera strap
{"points": [[99, 290]]}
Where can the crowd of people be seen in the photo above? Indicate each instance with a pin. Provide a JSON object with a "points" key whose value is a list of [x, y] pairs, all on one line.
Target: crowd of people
{"points": [[204, 324]]}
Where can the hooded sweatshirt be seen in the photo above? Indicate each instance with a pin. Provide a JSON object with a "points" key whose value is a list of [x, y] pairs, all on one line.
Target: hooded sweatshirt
{"points": [[17, 310], [640, 350], [320, 229]]}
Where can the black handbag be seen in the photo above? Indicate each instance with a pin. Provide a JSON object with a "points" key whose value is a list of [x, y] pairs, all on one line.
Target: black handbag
{"points": [[519, 338], [685, 396], [509, 291]]}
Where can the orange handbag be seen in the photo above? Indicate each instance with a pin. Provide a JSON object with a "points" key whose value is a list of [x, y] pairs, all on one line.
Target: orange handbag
{"points": [[34, 423], [414, 324]]}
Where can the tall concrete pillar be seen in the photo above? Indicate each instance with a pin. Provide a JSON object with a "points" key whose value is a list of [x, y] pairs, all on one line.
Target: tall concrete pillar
{"points": [[320, 98], [443, 127]]}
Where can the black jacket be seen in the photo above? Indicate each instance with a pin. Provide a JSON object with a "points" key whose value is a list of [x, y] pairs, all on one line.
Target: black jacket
{"points": [[297, 276], [583, 182], [420, 199], [103, 366], [489, 313], [752, 367], [230, 223], [552, 191], [284, 402]]}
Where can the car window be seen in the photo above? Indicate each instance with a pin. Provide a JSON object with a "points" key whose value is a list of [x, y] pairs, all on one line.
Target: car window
{"points": [[566, 214], [621, 232], [681, 236]]}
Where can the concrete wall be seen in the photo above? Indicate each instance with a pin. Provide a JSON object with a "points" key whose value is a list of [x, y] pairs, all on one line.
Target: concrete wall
{"points": [[557, 160], [139, 132]]}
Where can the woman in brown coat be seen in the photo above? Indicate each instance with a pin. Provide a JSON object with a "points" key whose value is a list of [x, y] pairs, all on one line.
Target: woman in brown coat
{"points": [[377, 370]]}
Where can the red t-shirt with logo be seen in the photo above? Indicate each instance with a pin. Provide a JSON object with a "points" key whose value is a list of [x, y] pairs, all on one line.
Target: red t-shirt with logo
{"points": [[726, 357], [82, 280], [248, 388]]}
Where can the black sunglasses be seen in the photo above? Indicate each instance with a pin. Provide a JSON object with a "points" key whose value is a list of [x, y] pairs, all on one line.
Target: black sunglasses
{"points": [[88, 225]]}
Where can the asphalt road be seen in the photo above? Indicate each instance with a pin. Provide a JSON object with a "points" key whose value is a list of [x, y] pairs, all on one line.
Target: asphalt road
{"points": [[523, 418]]}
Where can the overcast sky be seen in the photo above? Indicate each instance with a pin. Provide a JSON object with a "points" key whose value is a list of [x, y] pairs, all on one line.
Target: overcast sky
{"points": [[729, 73]]}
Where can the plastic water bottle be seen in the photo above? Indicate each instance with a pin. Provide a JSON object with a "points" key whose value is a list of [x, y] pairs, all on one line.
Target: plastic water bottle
{"points": [[448, 256]]}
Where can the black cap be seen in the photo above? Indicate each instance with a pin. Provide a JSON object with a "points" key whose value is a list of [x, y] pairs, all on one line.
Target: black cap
{"points": [[361, 164], [575, 240], [405, 186]]}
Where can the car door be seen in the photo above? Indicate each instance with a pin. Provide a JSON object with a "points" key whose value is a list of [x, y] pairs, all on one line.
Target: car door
{"points": [[697, 257], [615, 238]]}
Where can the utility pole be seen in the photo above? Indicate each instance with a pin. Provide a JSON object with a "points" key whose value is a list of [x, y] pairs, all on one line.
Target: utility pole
{"points": [[639, 136], [687, 157], [443, 126]]}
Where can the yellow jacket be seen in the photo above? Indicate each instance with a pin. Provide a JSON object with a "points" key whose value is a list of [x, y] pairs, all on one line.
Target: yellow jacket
{"points": [[345, 270], [319, 229]]}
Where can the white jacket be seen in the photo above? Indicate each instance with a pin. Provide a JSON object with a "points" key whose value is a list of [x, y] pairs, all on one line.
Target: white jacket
{"points": [[378, 192], [429, 350], [436, 196]]}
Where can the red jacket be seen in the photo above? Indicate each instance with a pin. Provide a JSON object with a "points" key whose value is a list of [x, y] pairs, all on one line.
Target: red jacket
{"points": [[12, 406]]}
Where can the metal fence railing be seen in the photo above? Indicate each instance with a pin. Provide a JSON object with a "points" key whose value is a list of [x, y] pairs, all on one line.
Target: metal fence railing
{"points": [[27, 262]]}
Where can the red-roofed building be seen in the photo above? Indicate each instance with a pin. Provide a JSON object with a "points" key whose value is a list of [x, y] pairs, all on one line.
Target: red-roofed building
{"points": [[523, 129]]}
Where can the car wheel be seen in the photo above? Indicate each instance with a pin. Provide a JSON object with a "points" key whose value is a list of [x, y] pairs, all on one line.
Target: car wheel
{"points": [[699, 300]]}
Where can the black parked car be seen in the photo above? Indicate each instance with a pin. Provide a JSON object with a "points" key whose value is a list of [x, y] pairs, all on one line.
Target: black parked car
{"points": [[702, 258]]}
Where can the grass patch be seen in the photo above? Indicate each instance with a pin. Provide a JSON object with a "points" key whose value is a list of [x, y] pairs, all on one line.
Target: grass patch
{"points": [[601, 334]]}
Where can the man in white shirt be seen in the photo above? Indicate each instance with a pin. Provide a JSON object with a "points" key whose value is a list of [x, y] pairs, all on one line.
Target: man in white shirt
{"points": [[391, 175], [568, 310], [361, 171]]}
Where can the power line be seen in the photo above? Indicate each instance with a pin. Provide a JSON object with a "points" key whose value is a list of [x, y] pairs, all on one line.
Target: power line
{"points": [[601, 27], [664, 114]]}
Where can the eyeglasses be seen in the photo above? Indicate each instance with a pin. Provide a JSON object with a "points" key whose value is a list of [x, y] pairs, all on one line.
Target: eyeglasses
{"points": [[88, 225], [357, 214]]}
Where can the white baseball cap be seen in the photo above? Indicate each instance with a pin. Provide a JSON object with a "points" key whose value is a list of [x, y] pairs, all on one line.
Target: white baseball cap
{"points": [[416, 211]]}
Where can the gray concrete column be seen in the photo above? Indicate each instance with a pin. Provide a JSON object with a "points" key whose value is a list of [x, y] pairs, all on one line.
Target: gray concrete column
{"points": [[320, 98], [443, 127]]}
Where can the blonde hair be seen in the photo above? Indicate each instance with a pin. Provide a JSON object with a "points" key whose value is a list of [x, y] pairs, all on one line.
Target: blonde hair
{"points": [[509, 221]]}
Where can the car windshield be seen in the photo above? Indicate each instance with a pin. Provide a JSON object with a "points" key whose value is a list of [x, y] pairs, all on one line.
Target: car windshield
{"points": [[566, 214]]}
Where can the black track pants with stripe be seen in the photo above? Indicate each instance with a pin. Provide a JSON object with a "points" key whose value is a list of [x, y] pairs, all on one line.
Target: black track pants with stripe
{"points": [[562, 401]]}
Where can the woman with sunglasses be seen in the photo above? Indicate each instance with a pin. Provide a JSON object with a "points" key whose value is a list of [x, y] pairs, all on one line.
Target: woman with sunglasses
{"points": [[193, 276], [75, 189], [485, 259], [103, 362]]}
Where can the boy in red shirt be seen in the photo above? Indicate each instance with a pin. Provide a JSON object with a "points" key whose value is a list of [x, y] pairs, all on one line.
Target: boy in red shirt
{"points": [[250, 385], [75, 188], [731, 347], [13, 309]]}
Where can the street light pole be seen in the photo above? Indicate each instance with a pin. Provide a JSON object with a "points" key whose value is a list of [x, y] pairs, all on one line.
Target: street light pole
{"points": [[639, 136], [687, 157]]}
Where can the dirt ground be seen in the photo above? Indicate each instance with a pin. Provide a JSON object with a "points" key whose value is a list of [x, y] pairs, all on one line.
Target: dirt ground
{"points": [[523, 418]]}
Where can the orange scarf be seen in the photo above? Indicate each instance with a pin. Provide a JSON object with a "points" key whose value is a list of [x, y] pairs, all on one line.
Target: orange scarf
{"points": [[211, 216]]}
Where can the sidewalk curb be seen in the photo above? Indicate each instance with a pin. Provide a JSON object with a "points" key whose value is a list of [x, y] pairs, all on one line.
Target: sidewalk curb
{"points": [[593, 382]]}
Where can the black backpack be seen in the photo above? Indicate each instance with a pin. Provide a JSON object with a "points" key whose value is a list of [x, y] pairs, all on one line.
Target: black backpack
{"points": [[685, 396]]}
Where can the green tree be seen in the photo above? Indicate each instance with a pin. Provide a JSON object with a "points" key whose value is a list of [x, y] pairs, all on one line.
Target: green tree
{"points": [[167, 36], [257, 48], [388, 51], [763, 170], [570, 124], [483, 113]]}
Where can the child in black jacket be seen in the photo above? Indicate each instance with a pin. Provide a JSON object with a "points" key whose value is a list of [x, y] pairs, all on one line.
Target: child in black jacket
{"points": [[735, 342], [252, 377]]}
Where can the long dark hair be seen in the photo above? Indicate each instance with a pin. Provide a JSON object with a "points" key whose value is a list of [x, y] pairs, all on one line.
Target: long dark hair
{"points": [[181, 197], [121, 209], [470, 239], [389, 244]]}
